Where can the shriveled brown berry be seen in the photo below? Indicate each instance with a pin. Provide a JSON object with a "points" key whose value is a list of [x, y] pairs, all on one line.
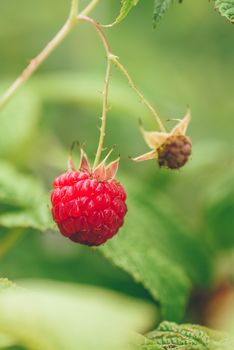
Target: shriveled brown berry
{"points": [[175, 152]]}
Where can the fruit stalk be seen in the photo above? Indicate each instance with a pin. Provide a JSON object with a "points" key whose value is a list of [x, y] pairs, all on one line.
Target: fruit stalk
{"points": [[106, 85], [104, 113], [139, 94], [113, 59]]}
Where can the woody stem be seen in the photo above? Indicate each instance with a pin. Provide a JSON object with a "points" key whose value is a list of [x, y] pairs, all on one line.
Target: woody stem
{"points": [[50, 47], [74, 9]]}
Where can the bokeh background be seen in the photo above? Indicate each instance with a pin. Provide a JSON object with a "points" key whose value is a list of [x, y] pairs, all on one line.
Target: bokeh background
{"points": [[187, 60]]}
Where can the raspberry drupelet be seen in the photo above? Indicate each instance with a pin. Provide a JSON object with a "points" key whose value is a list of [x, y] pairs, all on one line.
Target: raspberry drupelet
{"points": [[89, 206]]}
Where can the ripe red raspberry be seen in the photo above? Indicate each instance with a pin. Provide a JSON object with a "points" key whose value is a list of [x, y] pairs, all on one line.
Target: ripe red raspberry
{"points": [[175, 152], [89, 206]]}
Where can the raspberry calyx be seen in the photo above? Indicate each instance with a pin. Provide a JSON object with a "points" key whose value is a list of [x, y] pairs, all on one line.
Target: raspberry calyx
{"points": [[171, 149], [88, 205]]}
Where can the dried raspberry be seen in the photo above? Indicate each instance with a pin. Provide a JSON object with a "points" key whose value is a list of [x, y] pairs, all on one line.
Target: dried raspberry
{"points": [[175, 152], [89, 206], [172, 150]]}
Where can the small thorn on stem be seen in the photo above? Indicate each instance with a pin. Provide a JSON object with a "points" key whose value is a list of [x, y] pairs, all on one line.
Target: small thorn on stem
{"points": [[174, 120]]}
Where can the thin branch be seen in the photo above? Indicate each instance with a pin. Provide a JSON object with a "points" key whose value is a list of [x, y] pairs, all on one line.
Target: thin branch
{"points": [[74, 9], [36, 62], [139, 94], [111, 58], [97, 27], [43, 55], [90, 7], [106, 86], [115, 60]]}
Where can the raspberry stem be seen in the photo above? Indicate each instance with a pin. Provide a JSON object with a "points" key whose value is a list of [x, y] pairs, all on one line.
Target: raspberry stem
{"points": [[74, 9], [72, 21], [104, 113], [113, 59], [35, 63], [139, 94], [100, 32], [105, 92]]}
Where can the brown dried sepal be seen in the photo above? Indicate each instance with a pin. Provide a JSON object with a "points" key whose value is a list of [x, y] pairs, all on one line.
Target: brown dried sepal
{"points": [[175, 152], [171, 149], [101, 172]]}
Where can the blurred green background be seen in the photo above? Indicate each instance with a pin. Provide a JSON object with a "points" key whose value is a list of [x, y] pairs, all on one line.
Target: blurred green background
{"points": [[187, 60]]}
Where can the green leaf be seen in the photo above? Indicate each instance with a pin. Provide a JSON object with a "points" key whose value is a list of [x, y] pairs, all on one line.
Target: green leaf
{"points": [[23, 200], [219, 211], [186, 337], [160, 7], [58, 316], [225, 8], [5, 342], [152, 246], [126, 7], [158, 253]]}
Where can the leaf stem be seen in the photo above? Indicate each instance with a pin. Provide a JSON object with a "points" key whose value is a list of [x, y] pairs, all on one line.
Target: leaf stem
{"points": [[43, 55], [139, 94]]}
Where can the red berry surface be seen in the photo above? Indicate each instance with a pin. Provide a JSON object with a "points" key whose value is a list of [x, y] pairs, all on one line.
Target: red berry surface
{"points": [[87, 210]]}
